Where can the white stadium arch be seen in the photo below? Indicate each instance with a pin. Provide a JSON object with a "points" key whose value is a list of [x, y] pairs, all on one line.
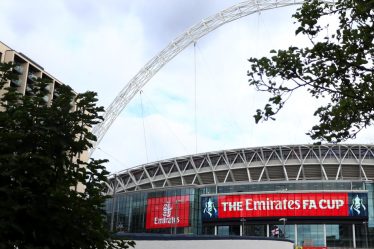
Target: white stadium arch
{"points": [[177, 45]]}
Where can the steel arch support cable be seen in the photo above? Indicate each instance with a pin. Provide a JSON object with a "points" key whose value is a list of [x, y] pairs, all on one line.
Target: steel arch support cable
{"points": [[195, 94], [144, 133], [174, 48]]}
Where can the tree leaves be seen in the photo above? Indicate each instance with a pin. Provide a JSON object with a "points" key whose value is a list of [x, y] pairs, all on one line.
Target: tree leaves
{"points": [[40, 147], [338, 65]]}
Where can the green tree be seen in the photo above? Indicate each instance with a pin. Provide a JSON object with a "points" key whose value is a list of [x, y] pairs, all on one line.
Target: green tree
{"points": [[40, 146], [337, 64]]}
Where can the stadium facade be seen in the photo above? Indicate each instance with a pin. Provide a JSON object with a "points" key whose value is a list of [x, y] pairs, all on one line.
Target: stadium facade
{"points": [[315, 195]]}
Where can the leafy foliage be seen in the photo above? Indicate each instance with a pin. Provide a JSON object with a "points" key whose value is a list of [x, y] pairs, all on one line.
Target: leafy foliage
{"points": [[40, 169], [338, 65]]}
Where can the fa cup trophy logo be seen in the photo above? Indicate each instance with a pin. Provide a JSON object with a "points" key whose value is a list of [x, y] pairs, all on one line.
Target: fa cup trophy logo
{"points": [[166, 210]]}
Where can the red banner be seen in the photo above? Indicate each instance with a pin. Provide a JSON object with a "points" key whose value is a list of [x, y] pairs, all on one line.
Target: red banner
{"points": [[165, 212], [277, 205]]}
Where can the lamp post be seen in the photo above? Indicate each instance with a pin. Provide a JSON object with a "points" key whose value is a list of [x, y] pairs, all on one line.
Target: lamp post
{"points": [[284, 226], [243, 230]]}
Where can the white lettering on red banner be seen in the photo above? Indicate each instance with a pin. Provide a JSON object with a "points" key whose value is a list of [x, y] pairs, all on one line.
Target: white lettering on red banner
{"points": [[165, 212], [305, 204], [287, 205]]}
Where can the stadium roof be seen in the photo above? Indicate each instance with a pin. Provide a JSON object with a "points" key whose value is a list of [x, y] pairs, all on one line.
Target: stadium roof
{"points": [[246, 165]]}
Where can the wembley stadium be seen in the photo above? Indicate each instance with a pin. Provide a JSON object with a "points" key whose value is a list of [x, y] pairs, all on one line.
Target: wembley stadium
{"points": [[315, 195]]}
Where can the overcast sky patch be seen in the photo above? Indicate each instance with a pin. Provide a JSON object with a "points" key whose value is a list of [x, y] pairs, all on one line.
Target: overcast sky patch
{"points": [[100, 45]]}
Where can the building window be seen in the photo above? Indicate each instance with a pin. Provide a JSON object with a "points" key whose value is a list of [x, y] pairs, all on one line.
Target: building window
{"points": [[228, 230], [223, 230], [339, 235], [255, 230], [361, 234], [310, 235], [208, 230]]}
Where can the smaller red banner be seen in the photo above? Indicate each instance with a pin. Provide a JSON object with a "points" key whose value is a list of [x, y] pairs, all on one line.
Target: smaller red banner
{"points": [[166, 212]]}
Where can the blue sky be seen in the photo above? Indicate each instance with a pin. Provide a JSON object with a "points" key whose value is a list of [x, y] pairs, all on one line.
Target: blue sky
{"points": [[99, 45]]}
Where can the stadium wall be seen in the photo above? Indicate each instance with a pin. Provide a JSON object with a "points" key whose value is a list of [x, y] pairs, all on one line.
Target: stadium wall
{"points": [[316, 196]]}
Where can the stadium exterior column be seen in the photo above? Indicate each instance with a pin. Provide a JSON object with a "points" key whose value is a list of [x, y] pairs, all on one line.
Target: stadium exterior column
{"points": [[354, 235]]}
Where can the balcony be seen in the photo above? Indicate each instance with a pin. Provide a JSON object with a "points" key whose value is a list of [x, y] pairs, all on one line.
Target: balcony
{"points": [[48, 87], [32, 77], [18, 69], [28, 91], [46, 98], [16, 83]]}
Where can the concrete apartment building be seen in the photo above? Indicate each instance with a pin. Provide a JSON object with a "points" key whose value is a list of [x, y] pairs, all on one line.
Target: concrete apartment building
{"points": [[28, 71]]}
